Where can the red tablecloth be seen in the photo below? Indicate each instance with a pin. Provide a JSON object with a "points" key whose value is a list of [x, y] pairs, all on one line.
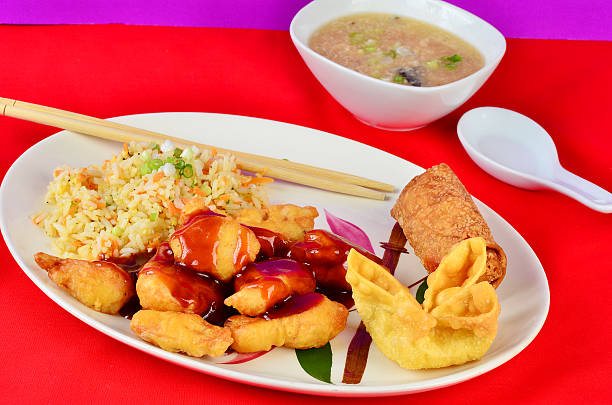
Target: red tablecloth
{"points": [[47, 355]]}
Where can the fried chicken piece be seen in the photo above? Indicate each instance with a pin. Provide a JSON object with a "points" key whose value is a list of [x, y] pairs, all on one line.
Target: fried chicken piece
{"points": [[264, 284], [102, 286], [180, 332], [288, 220], [193, 207], [215, 245], [302, 322], [166, 286], [325, 254], [436, 212]]}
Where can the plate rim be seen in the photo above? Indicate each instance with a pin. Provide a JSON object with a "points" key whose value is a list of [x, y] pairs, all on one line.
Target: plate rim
{"points": [[312, 388]]}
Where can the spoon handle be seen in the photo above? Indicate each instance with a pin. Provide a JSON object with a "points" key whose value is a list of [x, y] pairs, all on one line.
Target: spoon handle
{"points": [[582, 190]]}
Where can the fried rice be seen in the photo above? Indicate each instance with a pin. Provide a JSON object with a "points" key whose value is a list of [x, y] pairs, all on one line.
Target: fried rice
{"points": [[132, 202]]}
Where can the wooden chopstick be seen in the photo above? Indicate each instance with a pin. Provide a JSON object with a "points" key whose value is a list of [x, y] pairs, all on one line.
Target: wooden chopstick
{"points": [[123, 133], [332, 174]]}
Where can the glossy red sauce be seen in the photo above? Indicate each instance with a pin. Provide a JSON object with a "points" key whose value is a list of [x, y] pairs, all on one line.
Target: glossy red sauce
{"points": [[325, 254], [199, 241], [294, 305], [201, 293], [272, 244], [276, 279]]}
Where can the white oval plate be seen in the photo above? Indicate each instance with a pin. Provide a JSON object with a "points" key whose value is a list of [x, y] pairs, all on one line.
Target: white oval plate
{"points": [[523, 295]]}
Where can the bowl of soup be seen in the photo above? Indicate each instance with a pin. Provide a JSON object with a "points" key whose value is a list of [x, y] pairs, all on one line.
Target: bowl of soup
{"points": [[396, 64]]}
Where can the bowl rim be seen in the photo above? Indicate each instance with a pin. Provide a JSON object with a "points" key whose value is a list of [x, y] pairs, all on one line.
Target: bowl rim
{"points": [[425, 89]]}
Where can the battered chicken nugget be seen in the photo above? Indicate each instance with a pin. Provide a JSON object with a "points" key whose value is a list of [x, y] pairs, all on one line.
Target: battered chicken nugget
{"points": [[289, 220], [100, 285], [456, 324], [435, 212], [261, 285], [215, 245], [303, 322], [193, 207], [180, 332], [165, 286]]}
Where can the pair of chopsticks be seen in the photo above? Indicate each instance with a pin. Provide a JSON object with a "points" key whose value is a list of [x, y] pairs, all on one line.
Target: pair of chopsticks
{"points": [[277, 168]]}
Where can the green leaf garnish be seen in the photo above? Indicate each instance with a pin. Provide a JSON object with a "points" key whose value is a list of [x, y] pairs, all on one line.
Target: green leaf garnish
{"points": [[316, 362], [420, 295]]}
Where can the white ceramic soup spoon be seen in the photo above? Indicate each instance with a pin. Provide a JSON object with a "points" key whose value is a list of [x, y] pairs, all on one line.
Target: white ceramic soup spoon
{"points": [[515, 149]]}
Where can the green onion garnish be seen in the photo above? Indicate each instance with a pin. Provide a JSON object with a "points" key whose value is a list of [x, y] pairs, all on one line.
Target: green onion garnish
{"points": [[370, 49], [179, 163], [356, 37], [153, 217], [207, 190], [117, 231], [145, 169], [398, 79], [187, 171], [155, 164], [177, 152], [392, 53], [450, 62]]}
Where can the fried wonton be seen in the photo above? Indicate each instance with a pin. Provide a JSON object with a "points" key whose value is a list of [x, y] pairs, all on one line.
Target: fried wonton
{"points": [[181, 332], [457, 322], [310, 321], [102, 286]]}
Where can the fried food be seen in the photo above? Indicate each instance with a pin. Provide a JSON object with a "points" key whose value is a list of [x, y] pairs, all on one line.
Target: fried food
{"points": [[181, 332], [304, 322], [436, 212], [215, 245], [325, 254], [262, 285], [288, 220], [457, 322], [102, 286], [163, 286], [193, 207]]}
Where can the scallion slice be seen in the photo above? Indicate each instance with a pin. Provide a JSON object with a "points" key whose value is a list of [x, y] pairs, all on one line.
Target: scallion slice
{"points": [[187, 171]]}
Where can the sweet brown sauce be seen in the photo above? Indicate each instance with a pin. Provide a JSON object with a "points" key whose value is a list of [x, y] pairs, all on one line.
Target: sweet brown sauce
{"points": [[294, 305], [280, 269], [199, 239], [272, 244], [325, 254], [276, 279], [186, 286]]}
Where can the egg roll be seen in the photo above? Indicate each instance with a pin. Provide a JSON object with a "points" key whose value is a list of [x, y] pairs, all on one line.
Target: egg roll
{"points": [[436, 212]]}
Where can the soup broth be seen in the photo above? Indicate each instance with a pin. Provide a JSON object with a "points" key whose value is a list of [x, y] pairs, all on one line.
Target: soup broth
{"points": [[396, 49]]}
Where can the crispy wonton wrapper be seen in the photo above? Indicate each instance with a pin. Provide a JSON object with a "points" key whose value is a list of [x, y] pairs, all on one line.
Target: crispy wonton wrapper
{"points": [[435, 212], [456, 323]]}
